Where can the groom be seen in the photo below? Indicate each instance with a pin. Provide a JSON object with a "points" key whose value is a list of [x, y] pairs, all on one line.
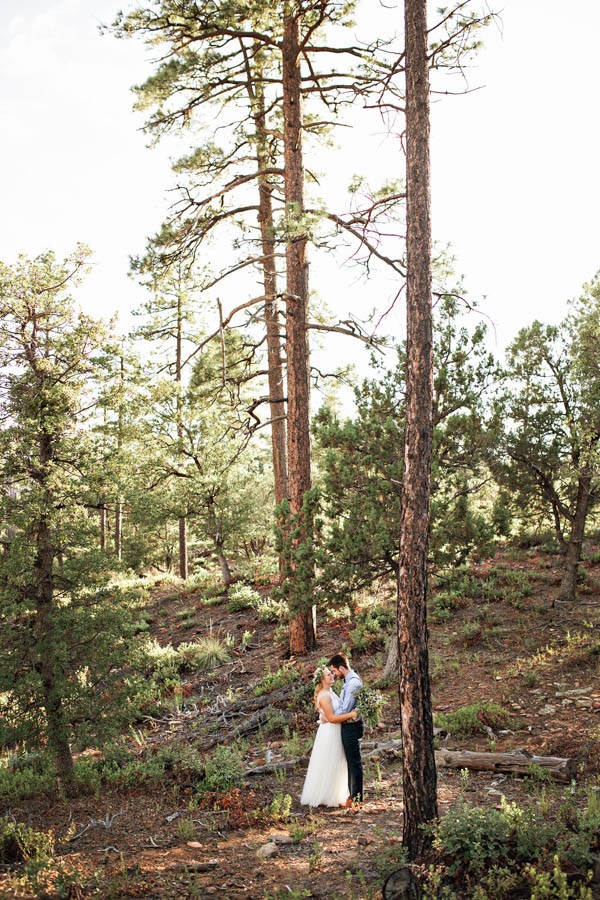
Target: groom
{"points": [[351, 731]]}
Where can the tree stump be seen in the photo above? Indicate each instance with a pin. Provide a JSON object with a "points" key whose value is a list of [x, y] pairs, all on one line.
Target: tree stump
{"points": [[401, 885]]}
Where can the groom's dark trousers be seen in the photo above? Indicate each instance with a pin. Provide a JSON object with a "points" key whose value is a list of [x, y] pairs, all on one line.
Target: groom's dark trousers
{"points": [[351, 735]]}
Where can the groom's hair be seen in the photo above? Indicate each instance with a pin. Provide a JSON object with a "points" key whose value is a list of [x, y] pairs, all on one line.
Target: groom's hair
{"points": [[339, 659]]}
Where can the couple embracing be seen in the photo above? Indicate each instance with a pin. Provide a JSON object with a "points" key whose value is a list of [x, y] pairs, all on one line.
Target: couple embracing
{"points": [[335, 775]]}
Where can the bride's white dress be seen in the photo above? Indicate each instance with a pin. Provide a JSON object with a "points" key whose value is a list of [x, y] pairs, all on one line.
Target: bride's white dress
{"points": [[326, 782]]}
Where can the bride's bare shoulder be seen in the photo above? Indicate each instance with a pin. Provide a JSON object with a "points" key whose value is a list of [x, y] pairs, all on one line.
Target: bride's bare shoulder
{"points": [[324, 696]]}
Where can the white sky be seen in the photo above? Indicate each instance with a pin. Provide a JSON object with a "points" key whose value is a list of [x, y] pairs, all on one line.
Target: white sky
{"points": [[516, 185]]}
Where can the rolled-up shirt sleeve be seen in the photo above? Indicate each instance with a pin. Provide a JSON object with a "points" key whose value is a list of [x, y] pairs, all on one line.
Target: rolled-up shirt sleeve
{"points": [[348, 695]]}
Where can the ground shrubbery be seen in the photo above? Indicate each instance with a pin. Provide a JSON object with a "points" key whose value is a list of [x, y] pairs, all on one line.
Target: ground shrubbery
{"points": [[473, 719], [492, 853], [456, 588], [372, 627]]}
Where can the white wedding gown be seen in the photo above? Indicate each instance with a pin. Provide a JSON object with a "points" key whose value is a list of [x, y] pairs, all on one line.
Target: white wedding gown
{"points": [[326, 782]]}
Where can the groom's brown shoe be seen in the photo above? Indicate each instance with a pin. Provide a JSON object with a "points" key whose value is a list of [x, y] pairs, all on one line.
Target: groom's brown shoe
{"points": [[354, 806]]}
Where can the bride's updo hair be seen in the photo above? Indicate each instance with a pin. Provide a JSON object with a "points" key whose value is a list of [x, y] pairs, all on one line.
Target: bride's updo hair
{"points": [[318, 676]]}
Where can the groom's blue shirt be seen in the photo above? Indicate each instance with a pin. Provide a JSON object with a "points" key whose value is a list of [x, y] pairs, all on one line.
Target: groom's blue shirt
{"points": [[352, 683]]}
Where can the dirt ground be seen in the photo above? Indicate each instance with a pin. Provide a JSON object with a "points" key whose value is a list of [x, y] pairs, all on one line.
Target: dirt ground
{"points": [[538, 660]]}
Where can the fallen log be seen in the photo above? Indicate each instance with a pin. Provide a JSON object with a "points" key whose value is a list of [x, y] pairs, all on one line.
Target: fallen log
{"points": [[282, 765], [519, 762], [392, 746], [269, 699], [253, 723]]}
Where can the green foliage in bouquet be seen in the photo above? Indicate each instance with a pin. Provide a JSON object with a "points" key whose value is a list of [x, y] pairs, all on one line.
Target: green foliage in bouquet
{"points": [[369, 704]]}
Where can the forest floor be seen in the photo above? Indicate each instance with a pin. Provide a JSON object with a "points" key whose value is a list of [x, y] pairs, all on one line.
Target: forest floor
{"points": [[538, 660]]}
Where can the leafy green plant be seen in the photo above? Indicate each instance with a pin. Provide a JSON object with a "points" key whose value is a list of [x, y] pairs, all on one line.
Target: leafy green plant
{"points": [[473, 839], [272, 609], [18, 843], [315, 857], [279, 808], [555, 885], [246, 640], [223, 770], [242, 596], [372, 627], [471, 719], [271, 681], [22, 779]]}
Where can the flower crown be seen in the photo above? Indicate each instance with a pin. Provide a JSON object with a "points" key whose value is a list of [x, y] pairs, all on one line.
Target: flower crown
{"points": [[318, 675]]}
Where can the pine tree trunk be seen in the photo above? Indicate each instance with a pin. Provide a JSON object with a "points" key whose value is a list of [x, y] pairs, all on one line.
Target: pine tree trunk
{"points": [[103, 527], [183, 553], [48, 662], [392, 669], [419, 773], [183, 560], [225, 570], [568, 585], [118, 534], [302, 627], [273, 326]]}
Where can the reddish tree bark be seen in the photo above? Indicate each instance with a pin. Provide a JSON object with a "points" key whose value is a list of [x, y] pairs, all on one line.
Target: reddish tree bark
{"points": [[419, 773], [273, 328], [302, 630], [183, 552]]}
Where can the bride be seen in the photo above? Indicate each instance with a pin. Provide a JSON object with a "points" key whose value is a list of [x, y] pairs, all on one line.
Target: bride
{"points": [[326, 782]]}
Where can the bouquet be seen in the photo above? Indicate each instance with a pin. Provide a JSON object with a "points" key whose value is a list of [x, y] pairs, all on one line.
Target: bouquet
{"points": [[369, 704]]}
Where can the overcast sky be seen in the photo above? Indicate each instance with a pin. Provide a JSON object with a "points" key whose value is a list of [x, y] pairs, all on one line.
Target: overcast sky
{"points": [[516, 185]]}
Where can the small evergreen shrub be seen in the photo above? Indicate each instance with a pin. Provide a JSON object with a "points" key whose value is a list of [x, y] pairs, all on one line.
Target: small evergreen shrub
{"points": [[223, 770], [271, 681], [471, 719], [242, 596], [18, 843], [372, 627], [514, 851], [25, 780], [456, 587], [272, 609]]}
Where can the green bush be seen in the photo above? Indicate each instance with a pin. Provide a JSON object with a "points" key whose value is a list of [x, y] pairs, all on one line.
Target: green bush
{"points": [[471, 719], [555, 885], [521, 846], [25, 776], [456, 587], [18, 843], [223, 770], [272, 609], [164, 663], [242, 596], [271, 681], [279, 808], [372, 627]]}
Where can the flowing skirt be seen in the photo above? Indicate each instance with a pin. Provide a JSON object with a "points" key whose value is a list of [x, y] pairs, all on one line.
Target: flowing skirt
{"points": [[326, 782]]}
